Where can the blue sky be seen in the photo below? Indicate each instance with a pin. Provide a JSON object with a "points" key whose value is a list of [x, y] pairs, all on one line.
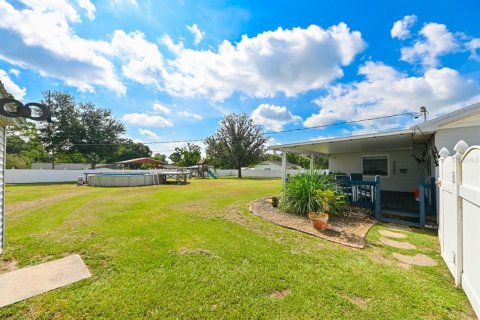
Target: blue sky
{"points": [[172, 69]]}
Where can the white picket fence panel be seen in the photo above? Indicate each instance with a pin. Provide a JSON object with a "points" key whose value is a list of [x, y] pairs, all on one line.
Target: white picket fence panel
{"points": [[459, 224]]}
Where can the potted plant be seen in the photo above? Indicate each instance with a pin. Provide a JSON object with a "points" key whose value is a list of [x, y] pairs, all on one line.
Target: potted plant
{"points": [[330, 202]]}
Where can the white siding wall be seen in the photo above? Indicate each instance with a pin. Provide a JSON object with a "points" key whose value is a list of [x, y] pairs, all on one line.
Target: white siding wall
{"points": [[448, 137], [406, 182]]}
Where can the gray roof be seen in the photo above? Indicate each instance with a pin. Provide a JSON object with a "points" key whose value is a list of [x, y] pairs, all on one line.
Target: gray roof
{"points": [[434, 124], [394, 140]]}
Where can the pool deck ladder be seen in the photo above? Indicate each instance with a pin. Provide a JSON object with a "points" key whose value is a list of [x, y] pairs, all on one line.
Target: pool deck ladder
{"points": [[156, 180]]}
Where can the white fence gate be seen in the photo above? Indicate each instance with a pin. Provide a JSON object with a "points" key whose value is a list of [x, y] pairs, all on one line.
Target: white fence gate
{"points": [[459, 227]]}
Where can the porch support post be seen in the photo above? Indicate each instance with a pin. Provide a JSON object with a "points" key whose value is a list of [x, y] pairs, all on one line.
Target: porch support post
{"points": [[312, 161], [284, 168], [421, 196], [378, 209]]}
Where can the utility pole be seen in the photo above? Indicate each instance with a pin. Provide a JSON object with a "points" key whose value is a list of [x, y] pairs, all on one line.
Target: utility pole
{"points": [[424, 110]]}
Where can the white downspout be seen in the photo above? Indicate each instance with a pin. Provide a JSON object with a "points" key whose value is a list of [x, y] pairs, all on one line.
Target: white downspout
{"points": [[284, 168]]}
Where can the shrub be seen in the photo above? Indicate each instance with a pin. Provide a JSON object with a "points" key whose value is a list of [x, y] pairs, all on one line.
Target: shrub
{"points": [[331, 200], [275, 201], [300, 196]]}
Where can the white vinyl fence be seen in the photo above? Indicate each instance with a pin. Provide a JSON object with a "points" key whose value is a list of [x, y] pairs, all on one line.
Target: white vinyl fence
{"points": [[251, 173], [48, 175], [459, 225]]}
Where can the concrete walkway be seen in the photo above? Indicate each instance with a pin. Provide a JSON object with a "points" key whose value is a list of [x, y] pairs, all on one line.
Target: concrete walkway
{"points": [[30, 281]]}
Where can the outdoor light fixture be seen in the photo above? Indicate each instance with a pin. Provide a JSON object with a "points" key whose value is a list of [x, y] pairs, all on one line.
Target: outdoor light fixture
{"points": [[24, 110]]}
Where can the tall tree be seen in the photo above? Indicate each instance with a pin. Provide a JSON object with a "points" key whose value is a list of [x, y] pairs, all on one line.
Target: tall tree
{"points": [[57, 136], [186, 156], [128, 149], [160, 157], [237, 143], [24, 145], [99, 133]]}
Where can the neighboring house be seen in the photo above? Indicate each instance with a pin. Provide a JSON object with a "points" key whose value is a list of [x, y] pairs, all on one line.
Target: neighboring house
{"points": [[403, 159], [275, 165], [4, 121]]}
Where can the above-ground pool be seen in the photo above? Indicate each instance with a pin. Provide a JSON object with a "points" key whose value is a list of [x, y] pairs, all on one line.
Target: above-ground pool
{"points": [[135, 179], [120, 179]]}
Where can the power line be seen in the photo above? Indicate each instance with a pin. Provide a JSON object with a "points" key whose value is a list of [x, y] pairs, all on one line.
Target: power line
{"points": [[267, 132]]}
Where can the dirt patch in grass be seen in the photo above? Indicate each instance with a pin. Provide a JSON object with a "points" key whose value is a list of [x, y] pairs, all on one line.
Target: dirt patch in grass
{"points": [[8, 265], [280, 294], [197, 251], [348, 230], [360, 302]]}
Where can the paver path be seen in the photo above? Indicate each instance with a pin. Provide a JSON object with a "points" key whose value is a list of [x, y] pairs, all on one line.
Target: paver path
{"points": [[397, 244], [391, 234], [417, 260]]}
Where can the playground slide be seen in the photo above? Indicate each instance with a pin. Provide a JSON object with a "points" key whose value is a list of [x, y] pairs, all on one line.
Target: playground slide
{"points": [[211, 174]]}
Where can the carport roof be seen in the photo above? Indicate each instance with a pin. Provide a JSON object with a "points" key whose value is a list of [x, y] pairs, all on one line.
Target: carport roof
{"points": [[394, 140]]}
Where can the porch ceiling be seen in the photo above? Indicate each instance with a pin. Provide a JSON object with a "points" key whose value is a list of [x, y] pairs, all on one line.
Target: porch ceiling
{"points": [[399, 140]]}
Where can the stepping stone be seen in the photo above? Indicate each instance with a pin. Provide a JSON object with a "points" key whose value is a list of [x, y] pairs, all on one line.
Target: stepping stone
{"points": [[396, 227], [397, 244], [416, 260], [391, 234], [30, 281]]}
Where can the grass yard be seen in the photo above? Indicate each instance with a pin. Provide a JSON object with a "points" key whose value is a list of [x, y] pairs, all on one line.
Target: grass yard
{"points": [[195, 252]]}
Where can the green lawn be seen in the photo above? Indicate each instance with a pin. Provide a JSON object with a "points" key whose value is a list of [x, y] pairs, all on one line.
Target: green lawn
{"points": [[195, 252]]}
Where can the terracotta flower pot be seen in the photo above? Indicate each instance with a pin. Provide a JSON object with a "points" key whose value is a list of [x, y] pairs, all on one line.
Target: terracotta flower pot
{"points": [[319, 220]]}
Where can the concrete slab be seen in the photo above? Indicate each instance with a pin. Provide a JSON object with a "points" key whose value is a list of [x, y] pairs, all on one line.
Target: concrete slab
{"points": [[397, 244], [391, 234], [30, 281], [416, 260]]}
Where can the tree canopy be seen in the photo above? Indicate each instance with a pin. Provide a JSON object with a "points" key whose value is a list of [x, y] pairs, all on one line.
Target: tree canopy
{"points": [[98, 133], [24, 146], [82, 132], [186, 156], [237, 143]]}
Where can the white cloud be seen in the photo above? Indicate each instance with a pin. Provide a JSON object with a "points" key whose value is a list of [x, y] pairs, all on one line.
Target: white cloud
{"points": [[146, 120], [435, 41], [197, 33], [401, 28], [11, 86], [161, 108], [386, 91], [473, 45], [143, 62], [149, 134], [281, 61], [273, 117], [14, 71], [41, 38], [117, 3], [89, 8], [172, 46], [187, 114]]}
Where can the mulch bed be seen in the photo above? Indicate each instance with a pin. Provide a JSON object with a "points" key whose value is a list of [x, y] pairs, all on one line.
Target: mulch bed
{"points": [[348, 230]]}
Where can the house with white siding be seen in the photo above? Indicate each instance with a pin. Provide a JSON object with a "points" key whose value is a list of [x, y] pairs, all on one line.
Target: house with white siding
{"points": [[405, 161]]}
